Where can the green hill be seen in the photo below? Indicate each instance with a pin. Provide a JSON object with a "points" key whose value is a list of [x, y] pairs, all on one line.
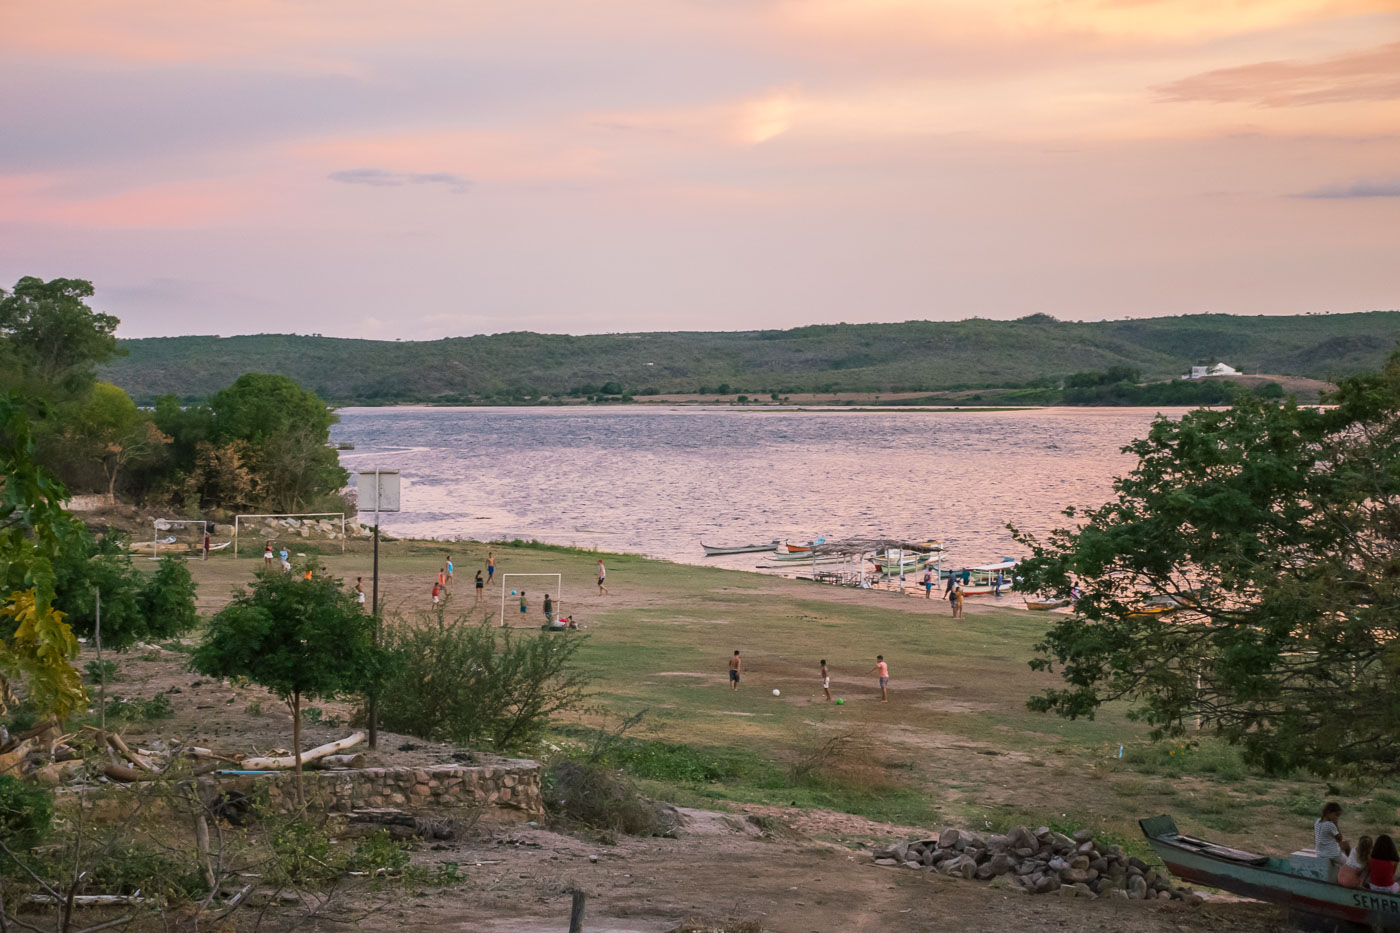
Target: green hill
{"points": [[914, 356]]}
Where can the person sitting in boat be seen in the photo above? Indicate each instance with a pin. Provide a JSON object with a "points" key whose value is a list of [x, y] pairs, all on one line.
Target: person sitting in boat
{"points": [[1327, 838], [1354, 871], [1382, 866]]}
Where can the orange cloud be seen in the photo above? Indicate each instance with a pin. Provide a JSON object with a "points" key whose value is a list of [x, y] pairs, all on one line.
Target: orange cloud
{"points": [[175, 205], [1369, 75]]}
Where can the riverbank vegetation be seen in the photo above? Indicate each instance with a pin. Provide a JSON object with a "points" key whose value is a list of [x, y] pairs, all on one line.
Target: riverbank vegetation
{"points": [[1035, 353]]}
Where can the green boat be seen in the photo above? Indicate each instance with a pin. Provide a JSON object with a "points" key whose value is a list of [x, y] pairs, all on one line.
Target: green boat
{"points": [[1301, 882]]}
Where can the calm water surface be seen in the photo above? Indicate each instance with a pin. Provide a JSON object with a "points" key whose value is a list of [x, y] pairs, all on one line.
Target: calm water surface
{"points": [[658, 481]]}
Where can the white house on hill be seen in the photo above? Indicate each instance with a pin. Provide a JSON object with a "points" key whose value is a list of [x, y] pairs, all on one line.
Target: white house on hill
{"points": [[1219, 369]]}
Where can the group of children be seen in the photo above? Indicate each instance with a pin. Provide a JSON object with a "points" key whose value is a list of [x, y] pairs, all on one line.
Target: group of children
{"points": [[881, 670], [447, 573], [1370, 864]]}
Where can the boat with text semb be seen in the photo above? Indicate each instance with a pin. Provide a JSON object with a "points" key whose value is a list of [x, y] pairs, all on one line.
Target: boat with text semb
{"points": [[1301, 882]]}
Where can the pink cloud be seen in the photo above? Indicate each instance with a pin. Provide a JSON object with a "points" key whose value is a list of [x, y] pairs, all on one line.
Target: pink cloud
{"points": [[1367, 75]]}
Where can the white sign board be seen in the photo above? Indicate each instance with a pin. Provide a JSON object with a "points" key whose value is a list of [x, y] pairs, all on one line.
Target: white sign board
{"points": [[378, 490]]}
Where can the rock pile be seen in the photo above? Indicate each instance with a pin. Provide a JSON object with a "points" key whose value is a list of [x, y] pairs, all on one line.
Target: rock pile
{"points": [[306, 527], [1039, 862]]}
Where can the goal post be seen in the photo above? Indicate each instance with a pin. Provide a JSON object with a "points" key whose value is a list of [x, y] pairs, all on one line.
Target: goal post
{"points": [[558, 590], [238, 520]]}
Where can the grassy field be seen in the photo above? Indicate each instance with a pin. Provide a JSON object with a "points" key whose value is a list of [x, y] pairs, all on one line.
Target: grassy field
{"points": [[955, 744]]}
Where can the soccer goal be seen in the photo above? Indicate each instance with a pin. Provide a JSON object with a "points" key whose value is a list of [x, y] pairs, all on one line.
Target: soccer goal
{"points": [[558, 591], [166, 524], [240, 520]]}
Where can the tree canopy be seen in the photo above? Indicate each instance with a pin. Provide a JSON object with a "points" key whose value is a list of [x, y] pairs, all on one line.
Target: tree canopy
{"points": [[1274, 532], [300, 638], [36, 644], [50, 331]]}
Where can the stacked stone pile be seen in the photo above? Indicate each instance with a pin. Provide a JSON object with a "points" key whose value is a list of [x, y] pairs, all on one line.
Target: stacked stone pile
{"points": [[1038, 862], [307, 527]]}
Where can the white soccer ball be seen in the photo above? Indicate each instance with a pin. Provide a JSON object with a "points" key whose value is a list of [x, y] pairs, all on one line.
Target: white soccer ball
{"points": [[777, 693]]}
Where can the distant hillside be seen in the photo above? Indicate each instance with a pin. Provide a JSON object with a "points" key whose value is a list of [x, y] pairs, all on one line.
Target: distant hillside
{"points": [[915, 356]]}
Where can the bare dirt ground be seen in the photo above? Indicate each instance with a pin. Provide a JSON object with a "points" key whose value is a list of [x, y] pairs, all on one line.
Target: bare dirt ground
{"points": [[723, 869]]}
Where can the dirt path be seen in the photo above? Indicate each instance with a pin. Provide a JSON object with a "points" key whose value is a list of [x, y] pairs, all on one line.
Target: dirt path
{"points": [[722, 870]]}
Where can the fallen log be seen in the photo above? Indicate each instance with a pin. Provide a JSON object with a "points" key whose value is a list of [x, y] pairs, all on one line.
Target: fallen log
{"points": [[337, 762], [55, 774], [10, 761], [289, 761], [122, 773], [194, 751], [88, 900], [121, 747]]}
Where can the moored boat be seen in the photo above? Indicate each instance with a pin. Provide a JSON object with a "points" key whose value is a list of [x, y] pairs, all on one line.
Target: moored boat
{"points": [[895, 559], [740, 549], [807, 557], [1045, 605], [988, 578], [1302, 881], [802, 548]]}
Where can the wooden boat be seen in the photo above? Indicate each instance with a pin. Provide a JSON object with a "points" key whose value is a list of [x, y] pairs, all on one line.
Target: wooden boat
{"points": [[983, 580], [802, 548], [1045, 605], [1302, 882], [807, 557], [741, 549], [893, 559]]}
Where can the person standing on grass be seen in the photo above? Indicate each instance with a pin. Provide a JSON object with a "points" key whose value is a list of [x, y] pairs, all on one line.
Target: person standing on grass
{"points": [[736, 664], [826, 679], [360, 590], [548, 610], [437, 593], [207, 543], [958, 601], [267, 555], [602, 578], [449, 568], [490, 566], [883, 670], [480, 586], [442, 577], [928, 583], [524, 606]]}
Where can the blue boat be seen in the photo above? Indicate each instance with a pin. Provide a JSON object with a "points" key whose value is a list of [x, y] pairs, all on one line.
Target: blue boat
{"points": [[1301, 882]]}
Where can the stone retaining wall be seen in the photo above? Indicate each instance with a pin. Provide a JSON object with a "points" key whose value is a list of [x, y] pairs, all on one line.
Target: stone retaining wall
{"points": [[510, 785], [504, 789]]}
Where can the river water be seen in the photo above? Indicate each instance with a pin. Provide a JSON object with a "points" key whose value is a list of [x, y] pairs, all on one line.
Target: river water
{"points": [[657, 481]]}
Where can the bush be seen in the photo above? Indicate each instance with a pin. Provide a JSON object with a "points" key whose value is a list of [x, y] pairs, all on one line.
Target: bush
{"points": [[25, 813], [601, 798], [134, 607], [167, 600], [457, 682]]}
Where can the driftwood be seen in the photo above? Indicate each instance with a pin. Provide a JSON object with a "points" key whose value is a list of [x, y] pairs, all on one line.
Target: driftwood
{"points": [[10, 761], [123, 773], [88, 900], [337, 762], [289, 761], [194, 751], [121, 747]]}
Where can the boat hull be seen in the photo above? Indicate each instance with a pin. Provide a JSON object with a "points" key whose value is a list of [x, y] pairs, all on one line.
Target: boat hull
{"points": [[741, 549], [1046, 605], [1272, 883]]}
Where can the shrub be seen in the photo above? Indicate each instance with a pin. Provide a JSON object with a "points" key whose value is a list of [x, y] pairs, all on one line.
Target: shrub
{"points": [[25, 813], [457, 682], [134, 607], [601, 798], [167, 600]]}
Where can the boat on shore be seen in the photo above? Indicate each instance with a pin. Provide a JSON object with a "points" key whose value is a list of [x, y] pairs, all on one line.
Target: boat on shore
{"points": [[711, 551], [800, 548], [895, 559], [1301, 882], [807, 557], [1045, 605], [979, 581]]}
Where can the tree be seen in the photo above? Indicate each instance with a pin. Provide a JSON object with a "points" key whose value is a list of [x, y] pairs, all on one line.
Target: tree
{"points": [[36, 644], [1277, 530], [51, 331], [115, 432], [135, 606], [300, 638]]}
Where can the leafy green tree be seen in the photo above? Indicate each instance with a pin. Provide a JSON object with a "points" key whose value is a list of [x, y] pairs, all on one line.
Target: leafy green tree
{"points": [[135, 606], [299, 638], [36, 645], [1277, 530], [111, 430], [52, 334]]}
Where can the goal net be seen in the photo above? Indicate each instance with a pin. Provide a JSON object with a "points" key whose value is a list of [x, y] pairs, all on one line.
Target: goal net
{"points": [[274, 526], [558, 579]]}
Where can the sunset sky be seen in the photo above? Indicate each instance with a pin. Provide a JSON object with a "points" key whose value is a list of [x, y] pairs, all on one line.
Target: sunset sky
{"points": [[430, 168]]}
